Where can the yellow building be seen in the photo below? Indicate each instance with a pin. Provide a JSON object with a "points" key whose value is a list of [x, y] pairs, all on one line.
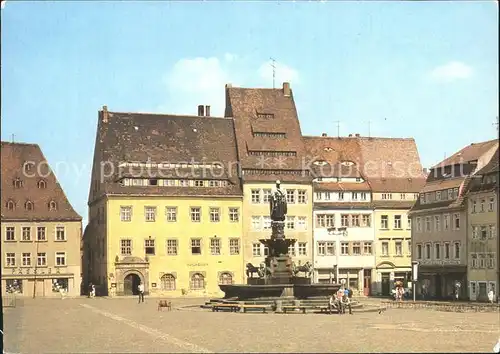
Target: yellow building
{"points": [[270, 148], [41, 232], [165, 206]]}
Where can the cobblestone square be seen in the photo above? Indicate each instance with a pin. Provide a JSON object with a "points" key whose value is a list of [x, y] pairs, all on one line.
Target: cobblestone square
{"points": [[122, 325]]}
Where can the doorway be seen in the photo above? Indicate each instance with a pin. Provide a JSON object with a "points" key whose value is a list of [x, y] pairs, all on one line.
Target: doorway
{"points": [[386, 286], [131, 284], [367, 281], [438, 285]]}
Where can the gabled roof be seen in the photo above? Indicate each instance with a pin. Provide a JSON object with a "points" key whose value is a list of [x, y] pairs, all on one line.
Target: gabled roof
{"points": [[266, 121], [167, 139], [37, 185], [469, 153]]}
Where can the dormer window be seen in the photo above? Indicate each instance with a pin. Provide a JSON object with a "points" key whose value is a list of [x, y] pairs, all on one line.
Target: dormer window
{"points": [[10, 205], [328, 149], [18, 183], [42, 184], [29, 205], [52, 206], [347, 163], [28, 166], [320, 163], [265, 115]]}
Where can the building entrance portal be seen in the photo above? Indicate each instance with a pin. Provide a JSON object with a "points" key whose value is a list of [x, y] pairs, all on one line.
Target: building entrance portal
{"points": [[131, 284]]}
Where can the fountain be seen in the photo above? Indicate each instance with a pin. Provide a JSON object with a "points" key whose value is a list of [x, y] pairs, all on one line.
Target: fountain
{"points": [[278, 275]]}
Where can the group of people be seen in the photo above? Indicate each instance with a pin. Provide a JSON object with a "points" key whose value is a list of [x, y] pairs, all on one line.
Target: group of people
{"points": [[341, 300]]}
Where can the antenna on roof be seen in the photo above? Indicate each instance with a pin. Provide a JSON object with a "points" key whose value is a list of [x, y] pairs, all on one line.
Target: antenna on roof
{"points": [[273, 65], [13, 136], [338, 128], [496, 123], [369, 128]]}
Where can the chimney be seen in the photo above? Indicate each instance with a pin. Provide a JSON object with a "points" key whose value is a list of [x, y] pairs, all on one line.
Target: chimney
{"points": [[229, 85], [357, 135], [350, 135], [105, 115], [207, 111], [201, 110], [286, 89], [324, 134]]}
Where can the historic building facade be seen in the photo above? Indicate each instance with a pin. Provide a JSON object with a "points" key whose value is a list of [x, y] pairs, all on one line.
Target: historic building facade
{"points": [[270, 148], [165, 205], [482, 232], [41, 232], [439, 223]]}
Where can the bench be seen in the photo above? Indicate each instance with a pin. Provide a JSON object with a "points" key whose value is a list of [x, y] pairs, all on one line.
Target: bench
{"points": [[257, 307], [164, 304], [231, 307], [292, 308]]}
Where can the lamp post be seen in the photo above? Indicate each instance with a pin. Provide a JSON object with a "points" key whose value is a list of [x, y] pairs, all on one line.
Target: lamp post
{"points": [[334, 231]]}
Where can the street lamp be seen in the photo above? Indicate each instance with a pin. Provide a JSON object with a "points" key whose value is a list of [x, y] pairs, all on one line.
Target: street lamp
{"points": [[337, 231]]}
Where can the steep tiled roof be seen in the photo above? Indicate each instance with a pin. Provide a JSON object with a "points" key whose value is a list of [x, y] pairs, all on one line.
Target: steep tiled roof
{"points": [[397, 185], [167, 139], [38, 186], [471, 152], [340, 186], [343, 205], [483, 181], [492, 165], [442, 184], [393, 204], [257, 114]]}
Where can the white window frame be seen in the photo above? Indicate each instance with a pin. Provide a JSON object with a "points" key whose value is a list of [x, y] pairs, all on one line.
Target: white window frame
{"points": [[60, 255], [215, 246], [56, 232], [171, 213], [125, 213], [215, 215], [234, 246], [10, 259], [234, 214], [195, 214], [172, 247], [302, 248], [150, 213], [122, 246]]}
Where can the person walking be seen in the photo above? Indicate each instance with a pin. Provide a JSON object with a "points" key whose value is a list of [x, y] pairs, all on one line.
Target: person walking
{"points": [[141, 292], [90, 289]]}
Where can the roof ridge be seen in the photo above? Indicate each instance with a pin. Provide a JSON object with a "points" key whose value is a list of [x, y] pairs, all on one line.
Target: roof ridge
{"points": [[19, 143], [355, 137], [169, 115]]}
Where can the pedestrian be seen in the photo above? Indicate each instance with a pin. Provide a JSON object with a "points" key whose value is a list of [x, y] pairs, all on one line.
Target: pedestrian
{"points": [[340, 295], [141, 292], [347, 300], [90, 290], [491, 296], [331, 304]]}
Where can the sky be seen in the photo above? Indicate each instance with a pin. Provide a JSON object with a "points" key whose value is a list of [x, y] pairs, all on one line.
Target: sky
{"points": [[427, 70]]}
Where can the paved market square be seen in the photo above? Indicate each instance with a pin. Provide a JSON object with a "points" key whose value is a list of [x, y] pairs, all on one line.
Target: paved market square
{"points": [[122, 325]]}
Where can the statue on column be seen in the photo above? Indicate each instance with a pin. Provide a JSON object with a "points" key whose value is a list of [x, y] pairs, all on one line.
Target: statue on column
{"points": [[277, 204]]}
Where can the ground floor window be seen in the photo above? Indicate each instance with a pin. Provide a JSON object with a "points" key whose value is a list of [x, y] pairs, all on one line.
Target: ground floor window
{"points": [[168, 282], [14, 286], [58, 284], [226, 278], [197, 281]]}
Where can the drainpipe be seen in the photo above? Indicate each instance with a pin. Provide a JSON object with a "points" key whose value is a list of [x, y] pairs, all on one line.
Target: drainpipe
{"points": [[497, 189]]}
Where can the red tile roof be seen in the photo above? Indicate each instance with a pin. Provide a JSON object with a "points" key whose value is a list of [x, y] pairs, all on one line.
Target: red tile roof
{"points": [[469, 153], [38, 186]]}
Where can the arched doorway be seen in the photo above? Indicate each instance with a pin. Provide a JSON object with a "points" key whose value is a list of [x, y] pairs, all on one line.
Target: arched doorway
{"points": [[131, 284]]}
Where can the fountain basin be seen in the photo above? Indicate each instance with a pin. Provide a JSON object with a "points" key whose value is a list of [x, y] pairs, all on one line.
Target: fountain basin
{"points": [[267, 291]]}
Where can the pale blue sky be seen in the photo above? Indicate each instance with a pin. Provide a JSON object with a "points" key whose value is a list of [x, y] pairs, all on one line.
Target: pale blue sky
{"points": [[423, 70]]}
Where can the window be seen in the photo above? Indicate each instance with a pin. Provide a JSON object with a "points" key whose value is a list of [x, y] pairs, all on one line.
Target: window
{"points": [[302, 196], [266, 222], [341, 195], [290, 196], [199, 183], [215, 246], [367, 248], [483, 233], [491, 231], [356, 248], [491, 204], [355, 220], [321, 248], [318, 195], [40, 233], [126, 213], [60, 259], [225, 278], [214, 214], [41, 259], [26, 259], [490, 261], [234, 246], [397, 222], [10, 233], [320, 220], [437, 251], [481, 208], [195, 214], [149, 247], [384, 222], [419, 251], [366, 220], [354, 196], [255, 196], [302, 248], [327, 195], [256, 224], [428, 251], [386, 196], [26, 234], [126, 247], [437, 223], [456, 250], [196, 246], [402, 196], [456, 221], [10, 205], [18, 183], [167, 282], [363, 196], [256, 250], [473, 206], [171, 214], [266, 195], [446, 250], [427, 224], [438, 196], [344, 220], [291, 250], [399, 248], [302, 223], [234, 214], [419, 225], [446, 222], [474, 260], [172, 247], [290, 222], [422, 198], [385, 248], [150, 213], [197, 281], [344, 248], [10, 259], [183, 183], [60, 233]]}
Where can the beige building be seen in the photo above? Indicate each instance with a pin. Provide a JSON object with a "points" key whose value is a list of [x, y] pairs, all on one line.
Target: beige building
{"points": [[482, 240], [41, 232], [439, 223]]}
